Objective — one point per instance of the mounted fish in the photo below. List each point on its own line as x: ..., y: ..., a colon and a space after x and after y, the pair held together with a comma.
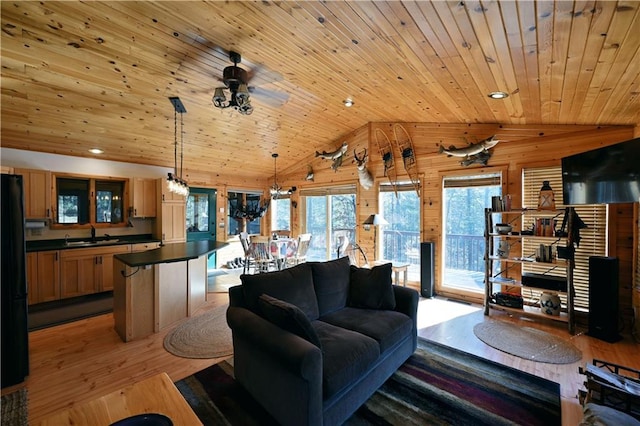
x: 386, y: 152
x: 336, y: 156
x: 480, y: 158
x: 364, y: 175
x: 309, y: 175
x: 405, y: 146
x: 473, y: 149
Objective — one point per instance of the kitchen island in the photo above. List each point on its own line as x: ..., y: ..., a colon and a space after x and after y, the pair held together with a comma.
x: 155, y: 288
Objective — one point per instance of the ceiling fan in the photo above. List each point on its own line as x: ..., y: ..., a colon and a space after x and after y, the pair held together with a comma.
x: 236, y: 82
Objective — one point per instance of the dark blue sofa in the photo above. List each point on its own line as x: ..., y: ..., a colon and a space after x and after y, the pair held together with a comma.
x: 313, y: 342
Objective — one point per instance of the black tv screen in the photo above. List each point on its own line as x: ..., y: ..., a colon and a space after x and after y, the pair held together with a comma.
x: 603, y: 176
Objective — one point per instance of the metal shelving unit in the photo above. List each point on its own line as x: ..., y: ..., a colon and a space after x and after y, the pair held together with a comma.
x: 508, y: 277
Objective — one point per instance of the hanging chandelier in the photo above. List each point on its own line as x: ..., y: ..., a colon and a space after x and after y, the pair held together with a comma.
x: 235, y: 82
x: 175, y: 182
x: 276, y: 190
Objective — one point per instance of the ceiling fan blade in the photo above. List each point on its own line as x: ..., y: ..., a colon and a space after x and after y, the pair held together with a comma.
x: 269, y: 97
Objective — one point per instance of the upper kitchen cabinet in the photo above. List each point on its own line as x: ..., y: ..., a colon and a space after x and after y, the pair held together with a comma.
x: 143, y: 199
x: 37, y: 193
x: 172, y: 215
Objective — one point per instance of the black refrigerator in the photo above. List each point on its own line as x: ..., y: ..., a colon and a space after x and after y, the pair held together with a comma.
x: 15, y: 337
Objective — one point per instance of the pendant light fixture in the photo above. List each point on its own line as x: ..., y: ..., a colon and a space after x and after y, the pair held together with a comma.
x: 175, y: 182
x: 276, y: 190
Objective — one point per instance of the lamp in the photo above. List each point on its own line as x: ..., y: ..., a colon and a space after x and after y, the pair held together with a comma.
x: 375, y: 220
x: 546, y: 199
x: 235, y: 81
x: 276, y: 190
x: 175, y: 182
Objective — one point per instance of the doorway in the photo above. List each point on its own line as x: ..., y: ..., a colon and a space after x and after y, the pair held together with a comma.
x: 201, y: 218
x: 465, y: 198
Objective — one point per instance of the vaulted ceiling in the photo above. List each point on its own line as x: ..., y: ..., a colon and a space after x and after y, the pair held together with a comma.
x: 99, y: 74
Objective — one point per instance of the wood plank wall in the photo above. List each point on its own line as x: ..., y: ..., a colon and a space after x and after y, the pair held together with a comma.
x: 520, y: 146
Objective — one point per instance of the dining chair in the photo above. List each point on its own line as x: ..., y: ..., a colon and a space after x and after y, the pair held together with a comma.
x: 300, y: 256
x: 249, y: 261
x: 260, y: 251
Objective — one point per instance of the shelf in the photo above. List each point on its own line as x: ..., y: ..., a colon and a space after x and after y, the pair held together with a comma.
x: 513, y: 283
x: 523, y: 256
x: 555, y: 263
x: 530, y: 311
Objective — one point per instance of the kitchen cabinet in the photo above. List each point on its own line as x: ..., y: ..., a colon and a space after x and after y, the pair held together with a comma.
x: 43, y: 276
x: 87, y: 271
x: 505, y: 265
x: 171, y: 224
x: 143, y: 199
x: 37, y: 193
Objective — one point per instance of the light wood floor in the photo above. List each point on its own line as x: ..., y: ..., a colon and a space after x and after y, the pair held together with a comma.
x: 86, y: 359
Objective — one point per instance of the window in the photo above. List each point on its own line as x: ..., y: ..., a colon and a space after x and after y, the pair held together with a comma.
x: 281, y: 214
x: 464, y: 199
x: 109, y: 202
x: 77, y: 204
x: 592, y: 238
x: 400, y: 239
x: 245, y: 210
x: 328, y: 213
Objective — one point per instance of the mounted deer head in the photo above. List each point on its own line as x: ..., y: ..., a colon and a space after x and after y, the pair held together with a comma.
x: 364, y: 175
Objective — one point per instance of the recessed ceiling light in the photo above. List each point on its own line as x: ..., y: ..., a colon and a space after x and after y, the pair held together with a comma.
x: 96, y: 151
x: 348, y: 102
x: 498, y: 95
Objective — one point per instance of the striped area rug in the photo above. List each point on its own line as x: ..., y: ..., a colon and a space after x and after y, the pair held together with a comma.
x: 438, y: 385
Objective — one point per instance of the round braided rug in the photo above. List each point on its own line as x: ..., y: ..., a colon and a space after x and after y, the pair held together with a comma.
x: 526, y: 342
x: 203, y: 336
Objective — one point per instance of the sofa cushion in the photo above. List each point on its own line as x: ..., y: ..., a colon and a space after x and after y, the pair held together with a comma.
x: 293, y: 285
x: 331, y: 283
x: 371, y: 288
x: 346, y: 356
x: 601, y: 415
x: 386, y: 327
x: 288, y: 317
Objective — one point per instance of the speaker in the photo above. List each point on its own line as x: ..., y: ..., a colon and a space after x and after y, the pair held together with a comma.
x: 603, y: 298
x: 427, y: 269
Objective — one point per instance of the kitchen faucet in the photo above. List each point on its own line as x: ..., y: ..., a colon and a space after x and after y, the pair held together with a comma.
x: 93, y: 233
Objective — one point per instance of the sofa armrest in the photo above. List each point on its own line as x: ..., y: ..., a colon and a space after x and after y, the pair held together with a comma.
x: 280, y: 369
x: 296, y: 354
x: 406, y: 301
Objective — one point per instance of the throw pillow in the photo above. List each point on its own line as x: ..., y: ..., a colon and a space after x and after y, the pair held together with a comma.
x: 331, y: 283
x: 293, y: 285
x: 371, y: 288
x: 288, y: 317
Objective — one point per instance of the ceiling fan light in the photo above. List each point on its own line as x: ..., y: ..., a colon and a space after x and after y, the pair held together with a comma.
x: 348, y: 102
x: 218, y: 97
x: 245, y: 109
x: 242, y: 95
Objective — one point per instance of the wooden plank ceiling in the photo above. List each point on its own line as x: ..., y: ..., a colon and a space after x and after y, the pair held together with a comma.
x: 99, y: 74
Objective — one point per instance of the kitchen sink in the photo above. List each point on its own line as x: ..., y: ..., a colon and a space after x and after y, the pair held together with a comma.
x: 90, y: 243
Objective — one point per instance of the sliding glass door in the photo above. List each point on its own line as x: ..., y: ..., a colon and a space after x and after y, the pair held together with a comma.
x: 463, y: 244
x: 328, y: 214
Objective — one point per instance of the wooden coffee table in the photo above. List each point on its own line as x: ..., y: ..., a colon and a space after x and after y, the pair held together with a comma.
x: 156, y: 394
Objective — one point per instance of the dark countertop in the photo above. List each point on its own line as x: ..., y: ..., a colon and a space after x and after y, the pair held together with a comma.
x: 169, y: 253
x: 59, y: 244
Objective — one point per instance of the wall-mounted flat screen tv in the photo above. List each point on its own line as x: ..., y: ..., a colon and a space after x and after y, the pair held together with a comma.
x: 603, y: 176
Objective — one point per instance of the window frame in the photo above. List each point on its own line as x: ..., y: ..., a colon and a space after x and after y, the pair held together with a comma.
x: 92, y: 201
x: 244, y: 227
